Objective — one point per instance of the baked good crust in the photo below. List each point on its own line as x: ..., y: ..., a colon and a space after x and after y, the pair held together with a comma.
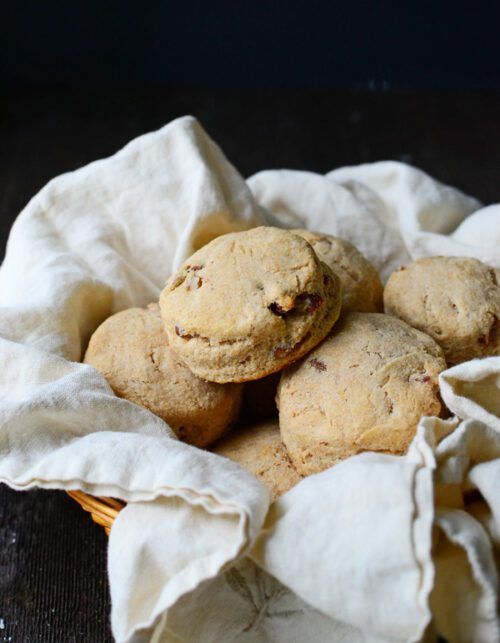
x: 259, y: 449
x: 361, y: 286
x: 248, y: 304
x: 455, y: 300
x: 131, y: 350
x: 364, y: 388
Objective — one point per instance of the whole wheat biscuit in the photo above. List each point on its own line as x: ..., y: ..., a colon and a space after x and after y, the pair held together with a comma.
x: 361, y: 285
x: 249, y: 303
x: 260, y: 450
x: 364, y: 388
x: 455, y: 300
x: 131, y: 350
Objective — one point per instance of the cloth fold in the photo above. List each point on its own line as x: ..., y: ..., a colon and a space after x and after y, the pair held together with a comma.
x: 465, y: 598
x: 368, y: 497
x: 361, y: 552
x: 472, y: 390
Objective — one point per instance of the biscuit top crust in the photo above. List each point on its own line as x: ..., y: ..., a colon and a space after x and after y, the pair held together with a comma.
x: 361, y: 285
x: 456, y: 300
x: 131, y: 350
x: 244, y: 284
x: 365, y: 387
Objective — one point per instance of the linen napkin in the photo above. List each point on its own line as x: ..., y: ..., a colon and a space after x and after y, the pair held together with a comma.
x: 363, y: 551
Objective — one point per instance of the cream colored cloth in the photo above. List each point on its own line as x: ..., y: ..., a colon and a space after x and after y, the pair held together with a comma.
x: 357, y: 553
x: 392, y: 212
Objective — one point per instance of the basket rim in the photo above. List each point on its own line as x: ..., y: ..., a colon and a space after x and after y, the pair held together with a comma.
x: 103, y: 510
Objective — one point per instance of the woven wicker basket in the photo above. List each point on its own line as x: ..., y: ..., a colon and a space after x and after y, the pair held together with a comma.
x: 102, y: 510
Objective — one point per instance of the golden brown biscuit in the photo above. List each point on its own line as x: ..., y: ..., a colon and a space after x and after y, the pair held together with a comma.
x: 249, y: 303
x: 361, y: 285
x: 455, y: 300
x: 364, y: 388
x: 131, y: 350
x: 260, y: 450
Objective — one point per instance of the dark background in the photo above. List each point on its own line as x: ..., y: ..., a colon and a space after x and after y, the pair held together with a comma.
x: 278, y: 84
x: 353, y: 44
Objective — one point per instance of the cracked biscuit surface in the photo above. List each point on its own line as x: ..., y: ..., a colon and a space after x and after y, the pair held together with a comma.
x: 455, y: 300
x: 260, y: 450
x: 131, y: 350
x: 364, y: 388
x: 249, y: 303
x: 361, y: 285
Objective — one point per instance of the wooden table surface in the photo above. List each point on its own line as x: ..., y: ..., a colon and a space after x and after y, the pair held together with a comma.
x: 53, y: 585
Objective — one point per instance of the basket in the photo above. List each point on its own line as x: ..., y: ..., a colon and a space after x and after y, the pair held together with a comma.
x: 103, y: 511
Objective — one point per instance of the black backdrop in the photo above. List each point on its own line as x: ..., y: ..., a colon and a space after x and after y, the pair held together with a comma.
x: 239, y: 43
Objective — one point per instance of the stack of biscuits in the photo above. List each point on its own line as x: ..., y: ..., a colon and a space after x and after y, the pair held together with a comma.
x: 272, y: 322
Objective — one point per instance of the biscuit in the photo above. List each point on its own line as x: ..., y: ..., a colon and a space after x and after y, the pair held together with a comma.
x: 455, y: 300
x: 131, y: 350
x: 260, y: 450
x: 361, y: 285
x: 364, y: 388
x: 249, y: 303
